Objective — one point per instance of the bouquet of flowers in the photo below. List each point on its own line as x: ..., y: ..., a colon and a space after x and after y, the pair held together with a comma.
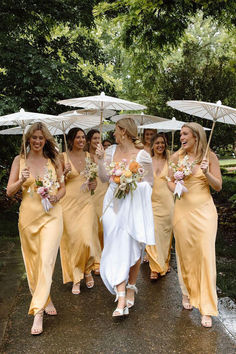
x: 125, y: 176
x: 90, y: 173
x: 45, y: 186
x: 181, y: 170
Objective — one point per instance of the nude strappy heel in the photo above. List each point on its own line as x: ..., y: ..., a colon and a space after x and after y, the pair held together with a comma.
x: 37, y: 329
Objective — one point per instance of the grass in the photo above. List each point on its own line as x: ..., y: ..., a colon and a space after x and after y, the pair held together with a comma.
x: 228, y: 162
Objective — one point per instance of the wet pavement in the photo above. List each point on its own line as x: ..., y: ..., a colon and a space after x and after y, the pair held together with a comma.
x: 156, y: 324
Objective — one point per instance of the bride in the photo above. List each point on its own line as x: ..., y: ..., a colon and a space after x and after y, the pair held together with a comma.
x: 127, y: 222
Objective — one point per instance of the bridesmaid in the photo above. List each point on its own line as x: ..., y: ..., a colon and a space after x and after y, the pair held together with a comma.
x: 128, y: 222
x: 195, y: 224
x: 162, y: 206
x: 93, y: 139
x: 79, y: 242
x: 40, y: 231
x: 147, y: 137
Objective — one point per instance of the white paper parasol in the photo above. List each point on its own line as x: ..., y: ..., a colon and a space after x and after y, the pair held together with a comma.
x: 212, y: 111
x: 102, y: 102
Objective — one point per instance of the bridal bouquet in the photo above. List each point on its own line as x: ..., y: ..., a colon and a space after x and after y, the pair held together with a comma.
x: 45, y: 186
x: 125, y: 176
x: 90, y: 173
x: 181, y: 170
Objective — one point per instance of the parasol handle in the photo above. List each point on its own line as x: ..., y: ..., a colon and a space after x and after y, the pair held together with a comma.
x: 209, y: 140
x: 24, y: 144
x: 101, y: 118
x: 172, y: 142
x: 65, y: 142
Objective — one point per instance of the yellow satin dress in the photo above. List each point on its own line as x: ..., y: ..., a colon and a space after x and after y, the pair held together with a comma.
x: 97, y: 199
x: 163, y: 207
x: 79, y: 243
x: 195, y: 227
x: 40, y: 235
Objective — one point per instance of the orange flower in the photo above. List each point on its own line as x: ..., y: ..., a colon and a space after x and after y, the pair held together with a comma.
x: 134, y: 166
x: 116, y: 179
x: 128, y: 173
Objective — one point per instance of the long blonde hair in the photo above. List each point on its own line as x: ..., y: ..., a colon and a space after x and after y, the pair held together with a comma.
x: 131, y: 131
x: 201, y: 140
x: 50, y: 149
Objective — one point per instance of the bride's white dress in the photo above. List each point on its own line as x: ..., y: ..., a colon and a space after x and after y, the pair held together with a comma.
x: 127, y: 223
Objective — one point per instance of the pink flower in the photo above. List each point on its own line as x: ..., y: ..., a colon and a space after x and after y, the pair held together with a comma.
x: 42, y: 191
x: 179, y: 175
x: 118, y: 172
x: 141, y: 171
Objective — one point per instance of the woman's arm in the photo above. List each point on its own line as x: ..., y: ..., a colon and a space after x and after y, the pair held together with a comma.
x: 212, y: 171
x: 14, y: 182
x: 101, y: 161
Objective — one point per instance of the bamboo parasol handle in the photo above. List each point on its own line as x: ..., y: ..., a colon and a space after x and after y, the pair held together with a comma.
x: 209, y: 140
x: 65, y: 141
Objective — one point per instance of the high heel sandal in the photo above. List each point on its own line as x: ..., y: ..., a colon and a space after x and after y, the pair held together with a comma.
x: 186, y: 303
x: 37, y: 327
x: 90, y: 283
x: 206, y: 321
x: 121, y: 312
x: 50, y: 309
x: 154, y: 276
x: 76, y: 289
x: 130, y: 303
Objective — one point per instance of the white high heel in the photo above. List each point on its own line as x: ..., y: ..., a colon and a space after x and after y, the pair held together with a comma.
x: 121, y: 312
x: 130, y: 303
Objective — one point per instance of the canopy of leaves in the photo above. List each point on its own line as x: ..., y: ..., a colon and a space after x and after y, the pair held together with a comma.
x: 158, y: 23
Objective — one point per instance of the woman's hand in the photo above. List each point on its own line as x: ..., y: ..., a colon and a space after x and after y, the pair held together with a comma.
x: 53, y: 199
x: 92, y: 184
x: 204, y: 166
x: 67, y: 169
x: 24, y: 174
x: 100, y: 151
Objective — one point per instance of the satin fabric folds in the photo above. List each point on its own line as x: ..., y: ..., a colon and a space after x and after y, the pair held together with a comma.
x: 195, y: 227
x: 163, y: 207
x: 128, y: 227
x: 40, y: 235
x: 80, y: 243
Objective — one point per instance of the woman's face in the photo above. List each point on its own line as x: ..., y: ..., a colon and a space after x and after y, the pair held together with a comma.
x: 187, y: 139
x: 79, y: 141
x: 118, y: 133
x: 37, y: 141
x: 106, y: 144
x: 95, y: 140
x: 159, y: 146
x: 148, y: 134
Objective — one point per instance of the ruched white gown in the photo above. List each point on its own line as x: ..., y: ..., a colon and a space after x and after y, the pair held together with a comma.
x: 127, y: 223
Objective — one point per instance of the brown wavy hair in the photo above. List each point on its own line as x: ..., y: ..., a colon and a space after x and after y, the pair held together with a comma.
x: 129, y: 125
x: 71, y: 136
x: 50, y: 149
x: 166, y: 152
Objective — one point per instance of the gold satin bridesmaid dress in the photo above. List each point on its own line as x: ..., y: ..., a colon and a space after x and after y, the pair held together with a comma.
x: 163, y: 207
x: 195, y: 227
x: 79, y: 243
x: 40, y: 235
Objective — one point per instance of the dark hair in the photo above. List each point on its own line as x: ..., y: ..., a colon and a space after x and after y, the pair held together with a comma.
x: 91, y: 133
x: 71, y: 136
x: 50, y: 149
x: 154, y: 138
x: 106, y: 140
